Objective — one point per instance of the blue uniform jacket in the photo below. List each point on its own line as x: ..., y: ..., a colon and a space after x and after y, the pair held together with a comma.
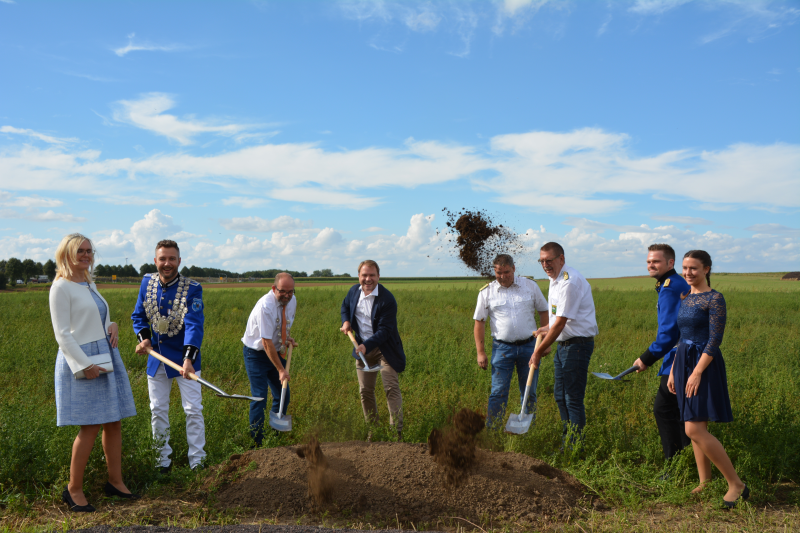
x: 384, y: 326
x: 187, y: 341
x: 669, y: 288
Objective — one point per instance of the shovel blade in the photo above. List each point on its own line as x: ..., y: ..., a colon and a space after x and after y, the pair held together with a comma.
x: 603, y: 375
x: 240, y: 397
x: 376, y: 368
x: 519, y: 424
x: 283, y: 423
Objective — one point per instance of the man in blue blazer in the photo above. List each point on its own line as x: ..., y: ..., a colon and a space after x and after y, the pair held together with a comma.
x: 370, y: 311
x: 669, y: 286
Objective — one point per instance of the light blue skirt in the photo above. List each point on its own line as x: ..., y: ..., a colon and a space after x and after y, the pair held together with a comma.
x: 84, y: 402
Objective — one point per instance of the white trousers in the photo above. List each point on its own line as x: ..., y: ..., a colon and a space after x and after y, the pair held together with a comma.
x: 192, y: 401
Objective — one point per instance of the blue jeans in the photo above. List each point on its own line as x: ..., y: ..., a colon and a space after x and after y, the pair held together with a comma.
x: 263, y: 377
x: 506, y: 357
x: 571, y: 368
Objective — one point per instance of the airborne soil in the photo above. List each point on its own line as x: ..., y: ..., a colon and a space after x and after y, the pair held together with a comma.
x: 400, y: 481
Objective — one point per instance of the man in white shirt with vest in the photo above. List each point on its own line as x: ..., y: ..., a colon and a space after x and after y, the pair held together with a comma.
x: 572, y: 323
x: 266, y: 340
x: 511, y: 303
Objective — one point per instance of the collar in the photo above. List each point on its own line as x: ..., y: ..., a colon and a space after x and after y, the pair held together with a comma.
x: 663, y: 278
x: 373, y: 293
x: 512, y: 283
x: 169, y: 284
x: 558, y: 276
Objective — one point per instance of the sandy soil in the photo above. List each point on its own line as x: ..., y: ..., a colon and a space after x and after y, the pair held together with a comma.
x: 396, y: 480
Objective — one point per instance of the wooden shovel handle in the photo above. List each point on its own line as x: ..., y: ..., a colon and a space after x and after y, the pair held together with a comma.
x: 288, y: 363
x: 531, y: 369
x: 166, y: 361
x: 353, y: 339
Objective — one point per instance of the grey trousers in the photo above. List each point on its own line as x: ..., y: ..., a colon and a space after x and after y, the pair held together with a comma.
x: 391, y: 385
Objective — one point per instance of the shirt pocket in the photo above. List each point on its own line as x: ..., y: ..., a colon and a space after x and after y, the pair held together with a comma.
x: 499, y: 306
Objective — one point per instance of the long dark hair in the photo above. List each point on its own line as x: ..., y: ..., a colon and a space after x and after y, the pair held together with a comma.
x: 704, y: 258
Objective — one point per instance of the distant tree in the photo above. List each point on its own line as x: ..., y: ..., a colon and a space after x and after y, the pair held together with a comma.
x: 184, y: 272
x: 50, y: 269
x: 39, y: 268
x: 2, y: 266
x: 13, y: 270
x: 2, y: 281
x: 148, y: 268
x: 129, y: 271
x: 101, y: 270
x: 196, y: 272
x: 28, y: 269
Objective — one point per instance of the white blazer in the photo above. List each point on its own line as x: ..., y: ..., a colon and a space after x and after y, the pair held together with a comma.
x: 76, y: 320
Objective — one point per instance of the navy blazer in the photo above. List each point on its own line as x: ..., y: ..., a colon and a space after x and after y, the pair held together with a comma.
x: 384, y: 325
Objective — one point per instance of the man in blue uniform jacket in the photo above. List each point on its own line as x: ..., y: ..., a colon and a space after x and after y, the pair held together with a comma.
x: 168, y: 318
x: 669, y: 286
x: 370, y: 311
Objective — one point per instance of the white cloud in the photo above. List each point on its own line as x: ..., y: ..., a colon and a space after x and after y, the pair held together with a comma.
x: 36, y: 135
x: 372, y: 229
x: 155, y: 226
x: 146, y: 47
x: 148, y: 113
x: 683, y: 220
x: 258, y: 224
x: 28, y: 247
x: 36, y: 216
x: 655, y: 7
x: 8, y: 199
x: 774, y: 229
x: 246, y: 202
x: 325, y: 197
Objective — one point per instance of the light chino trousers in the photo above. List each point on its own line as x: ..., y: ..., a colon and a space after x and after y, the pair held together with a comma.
x: 192, y: 400
x: 391, y: 385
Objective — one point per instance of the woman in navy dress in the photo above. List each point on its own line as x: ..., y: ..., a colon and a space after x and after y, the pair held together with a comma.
x: 698, y: 374
x: 83, y: 328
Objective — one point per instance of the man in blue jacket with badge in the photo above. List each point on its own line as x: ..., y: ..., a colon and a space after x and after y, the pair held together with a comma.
x: 168, y: 318
x: 669, y: 286
x: 370, y: 311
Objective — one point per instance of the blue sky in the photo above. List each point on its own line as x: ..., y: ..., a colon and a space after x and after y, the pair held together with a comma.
x: 309, y: 135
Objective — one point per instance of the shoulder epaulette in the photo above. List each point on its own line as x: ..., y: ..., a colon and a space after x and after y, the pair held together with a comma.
x: 479, y: 290
x: 566, y: 276
x: 193, y: 282
x: 666, y: 283
x: 529, y: 277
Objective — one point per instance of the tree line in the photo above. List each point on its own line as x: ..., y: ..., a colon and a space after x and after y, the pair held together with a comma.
x: 13, y: 269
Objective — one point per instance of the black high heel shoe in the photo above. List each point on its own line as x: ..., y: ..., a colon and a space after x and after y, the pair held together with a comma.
x: 75, y: 508
x: 743, y: 496
x: 111, y: 490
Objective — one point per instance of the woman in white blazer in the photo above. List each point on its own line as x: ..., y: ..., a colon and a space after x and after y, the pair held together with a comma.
x: 87, y: 394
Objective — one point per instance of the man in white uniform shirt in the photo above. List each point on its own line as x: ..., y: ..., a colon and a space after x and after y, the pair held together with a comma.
x: 265, y: 340
x: 572, y: 323
x: 511, y: 303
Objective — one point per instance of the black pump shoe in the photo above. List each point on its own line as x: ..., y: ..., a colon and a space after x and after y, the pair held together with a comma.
x: 111, y: 490
x: 75, y: 508
x: 743, y: 496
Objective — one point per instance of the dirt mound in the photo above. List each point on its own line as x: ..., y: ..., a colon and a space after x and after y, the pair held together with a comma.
x: 320, y: 483
x: 479, y: 239
x: 393, y: 480
x: 791, y: 276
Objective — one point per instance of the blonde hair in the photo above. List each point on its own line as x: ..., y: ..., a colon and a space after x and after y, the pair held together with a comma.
x: 67, y: 255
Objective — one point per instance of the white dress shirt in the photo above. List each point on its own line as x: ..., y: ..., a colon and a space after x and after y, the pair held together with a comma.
x: 512, y: 309
x: 364, y: 313
x: 570, y: 296
x: 265, y: 321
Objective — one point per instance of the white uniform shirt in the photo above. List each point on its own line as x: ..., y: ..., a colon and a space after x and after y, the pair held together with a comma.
x: 364, y: 312
x: 512, y: 309
x: 570, y: 296
x: 265, y: 322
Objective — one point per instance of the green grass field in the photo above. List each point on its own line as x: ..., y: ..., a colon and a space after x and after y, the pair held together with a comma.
x: 623, y: 461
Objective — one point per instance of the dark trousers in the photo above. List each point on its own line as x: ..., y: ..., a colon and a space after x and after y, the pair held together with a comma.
x: 570, y: 369
x: 263, y: 377
x: 668, y: 420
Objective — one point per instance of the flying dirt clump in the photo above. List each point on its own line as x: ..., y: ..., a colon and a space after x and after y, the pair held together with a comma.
x: 479, y: 239
x: 454, y: 448
x: 320, y: 482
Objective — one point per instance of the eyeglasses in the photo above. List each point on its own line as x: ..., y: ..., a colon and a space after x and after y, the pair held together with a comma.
x: 547, y: 261
x: 82, y: 251
x: 285, y: 293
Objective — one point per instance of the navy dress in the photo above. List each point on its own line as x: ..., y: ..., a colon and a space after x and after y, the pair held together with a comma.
x: 701, y: 320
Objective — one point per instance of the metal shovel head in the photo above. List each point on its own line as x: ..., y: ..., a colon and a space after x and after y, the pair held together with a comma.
x: 603, y: 375
x: 519, y: 424
x: 240, y: 397
x: 280, y: 423
x: 373, y: 369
